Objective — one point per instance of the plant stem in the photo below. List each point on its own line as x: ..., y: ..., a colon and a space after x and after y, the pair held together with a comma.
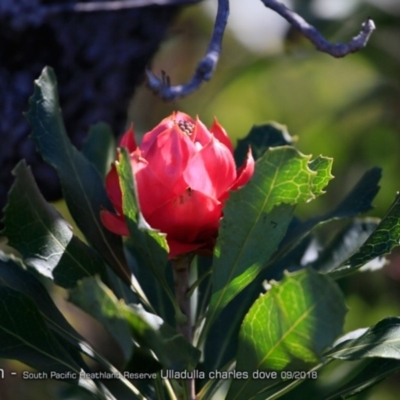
x: 180, y: 268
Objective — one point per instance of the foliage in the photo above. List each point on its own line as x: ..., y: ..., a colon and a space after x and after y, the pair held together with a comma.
x: 285, y: 323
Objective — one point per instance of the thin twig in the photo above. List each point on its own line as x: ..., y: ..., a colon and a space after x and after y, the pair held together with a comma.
x: 205, y: 67
x: 334, y: 49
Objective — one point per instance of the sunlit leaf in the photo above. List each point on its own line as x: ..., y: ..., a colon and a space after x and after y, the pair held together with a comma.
x: 256, y: 218
x: 322, y: 166
x: 150, y: 244
x: 288, y: 328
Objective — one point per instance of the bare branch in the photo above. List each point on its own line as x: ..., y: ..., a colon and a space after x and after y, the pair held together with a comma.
x: 337, y: 49
x: 205, y: 67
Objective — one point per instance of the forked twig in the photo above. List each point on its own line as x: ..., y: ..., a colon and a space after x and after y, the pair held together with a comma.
x: 207, y: 64
x: 311, y: 33
x: 205, y: 67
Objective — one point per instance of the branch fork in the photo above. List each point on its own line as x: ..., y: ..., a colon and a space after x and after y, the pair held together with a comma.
x: 206, y: 66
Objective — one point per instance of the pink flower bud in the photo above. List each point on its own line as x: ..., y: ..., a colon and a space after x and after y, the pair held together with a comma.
x: 184, y: 173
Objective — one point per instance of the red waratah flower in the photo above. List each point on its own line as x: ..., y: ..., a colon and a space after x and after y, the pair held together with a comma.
x: 183, y: 173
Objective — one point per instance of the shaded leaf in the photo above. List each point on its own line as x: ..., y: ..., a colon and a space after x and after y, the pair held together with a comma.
x: 276, y: 391
x: 170, y: 347
x: 150, y: 284
x: 25, y: 337
x: 43, y: 238
x: 260, y: 139
x: 350, y: 335
x: 344, y: 244
x: 380, y: 242
x: 370, y: 374
x: 99, y: 147
x: 98, y: 301
x: 287, y: 329
x: 81, y: 183
x: 148, y: 330
x: 21, y: 280
x: 18, y: 279
x: 381, y: 340
x: 256, y: 218
x: 73, y: 393
x: 293, y: 259
x: 358, y: 201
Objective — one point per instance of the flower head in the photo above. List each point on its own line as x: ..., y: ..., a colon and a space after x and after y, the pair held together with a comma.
x: 184, y: 173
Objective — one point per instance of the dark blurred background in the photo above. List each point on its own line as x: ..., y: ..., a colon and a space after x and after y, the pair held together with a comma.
x: 348, y: 109
x: 99, y: 58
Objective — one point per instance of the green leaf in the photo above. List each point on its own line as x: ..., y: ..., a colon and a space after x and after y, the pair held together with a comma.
x: 381, y: 242
x: 370, y: 374
x: 322, y: 166
x: 359, y: 200
x: 73, y: 393
x: 171, y: 348
x: 43, y: 238
x: 155, y: 292
x: 24, y: 336
x: 256, y: 218
x: 15, y: 277
x: 147, y: 329
x: 81, y: 183
x: 21, y: 280
x: 99, y: 147
x: 222, y: 338
x: 344, y: 244
x: 260, y: 139
x: 381, y: 340
x: 150, y: 244
x: 356, y: 202
x: 100, y: 302
x: 287, y: 329
x: 278, y: 390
